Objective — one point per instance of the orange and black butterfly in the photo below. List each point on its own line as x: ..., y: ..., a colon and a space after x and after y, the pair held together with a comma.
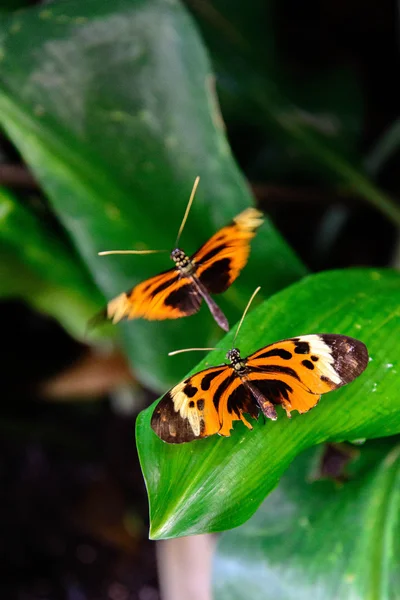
x: 179, y: 291
x: 292, y: 373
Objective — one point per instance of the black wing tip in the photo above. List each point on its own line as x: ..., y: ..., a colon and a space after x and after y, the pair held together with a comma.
x: 350, y: 355
x: 168, y: 425
x: 163, y: 432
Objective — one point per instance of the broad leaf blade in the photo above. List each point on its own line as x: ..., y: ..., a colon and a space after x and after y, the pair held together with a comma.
x: 318, y: 539
x: 217, y: 483
x: 112, y: 106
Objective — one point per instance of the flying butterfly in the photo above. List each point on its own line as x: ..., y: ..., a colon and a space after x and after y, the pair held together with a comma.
x: 292, y: 373
x: 179, y: 291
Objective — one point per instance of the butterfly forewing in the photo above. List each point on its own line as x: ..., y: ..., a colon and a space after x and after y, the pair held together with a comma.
x: 295, y: 372
x: 220, y: 260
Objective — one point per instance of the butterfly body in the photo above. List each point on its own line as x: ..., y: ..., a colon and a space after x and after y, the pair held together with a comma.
x: 178, y: 292
x: 182, y: 262
x: 240, y: 367
x: 236, y: 361
x: 292, y: 373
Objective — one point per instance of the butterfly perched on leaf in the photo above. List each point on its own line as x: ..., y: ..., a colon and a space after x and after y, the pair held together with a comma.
x: 292, y: 373
x: 180, y: 291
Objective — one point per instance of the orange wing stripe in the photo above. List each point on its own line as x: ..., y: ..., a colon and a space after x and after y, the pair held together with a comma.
x: 285, y: 390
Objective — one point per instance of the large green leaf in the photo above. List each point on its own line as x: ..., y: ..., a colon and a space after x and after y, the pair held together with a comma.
x: 112, y: 106
x: 217, y: 483
x: 318, y: 539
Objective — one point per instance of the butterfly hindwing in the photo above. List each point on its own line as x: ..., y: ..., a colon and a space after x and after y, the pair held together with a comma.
x: 295, y: 372
x: 165, y: 296
x: 203, y: 404
x: 220, y: 260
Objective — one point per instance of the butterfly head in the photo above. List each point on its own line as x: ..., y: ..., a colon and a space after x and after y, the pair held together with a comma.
x: 182, y: 261
x: 236, y: 360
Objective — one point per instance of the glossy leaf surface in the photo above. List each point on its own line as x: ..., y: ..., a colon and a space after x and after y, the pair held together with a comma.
x: 319, y: 539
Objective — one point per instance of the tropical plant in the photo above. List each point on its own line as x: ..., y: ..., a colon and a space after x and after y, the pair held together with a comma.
x: 114, y: 109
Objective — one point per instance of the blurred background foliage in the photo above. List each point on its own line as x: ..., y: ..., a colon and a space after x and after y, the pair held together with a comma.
x: 108, y: 112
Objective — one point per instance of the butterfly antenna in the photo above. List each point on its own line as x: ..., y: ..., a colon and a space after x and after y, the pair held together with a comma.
x: 188, y: 350
x: 189, y: 205
x: 245, y: 312
x: 107, y: 252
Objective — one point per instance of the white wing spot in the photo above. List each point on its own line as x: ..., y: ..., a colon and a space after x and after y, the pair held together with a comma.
x: 181, y: 404
x: 180, y: 399
x: 326, y: 360
x: 194, y: 420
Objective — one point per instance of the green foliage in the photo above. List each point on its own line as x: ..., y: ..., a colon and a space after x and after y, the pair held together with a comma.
x: 118, y: 161
x: 299, y: 545
x: 217, y: 483
x: 37, y: 266
x: 112, y: 106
